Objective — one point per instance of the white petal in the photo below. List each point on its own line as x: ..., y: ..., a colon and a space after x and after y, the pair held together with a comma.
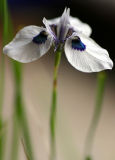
x: 64, y: 19
x: 23, y: 49
x: 92, y: 59
x: 54, y: 21
x: 80, y: 26
x: 63, y: 25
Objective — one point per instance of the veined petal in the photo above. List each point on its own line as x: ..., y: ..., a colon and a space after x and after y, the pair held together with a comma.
x: 29, y: 44
x: 86, y: 55
x: 80, y: 27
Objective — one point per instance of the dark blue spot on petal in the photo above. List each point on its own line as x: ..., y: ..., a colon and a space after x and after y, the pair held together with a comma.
x: 40, y: 38
x: 78, y: 44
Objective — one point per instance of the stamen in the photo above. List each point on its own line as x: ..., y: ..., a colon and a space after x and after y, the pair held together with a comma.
x: 70, y: 32
x: 78, y: 44
x: 54, y: 29
x: 40, y: 38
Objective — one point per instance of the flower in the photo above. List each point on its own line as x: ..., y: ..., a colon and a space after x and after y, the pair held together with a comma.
x: 82, y: 52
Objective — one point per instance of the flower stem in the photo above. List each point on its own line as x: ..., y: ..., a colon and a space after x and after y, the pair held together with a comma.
x: 20, y: 112
x: 4, y: 18
x: 15, y: 139
x: 54, y: 105
x: 97, y: 112
x: 2, y: 134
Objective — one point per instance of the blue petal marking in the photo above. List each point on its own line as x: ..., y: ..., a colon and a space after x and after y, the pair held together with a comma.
x: 40, y: 38
x: 78, y: 44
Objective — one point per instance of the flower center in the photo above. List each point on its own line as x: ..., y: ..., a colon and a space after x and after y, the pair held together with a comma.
x: 78, y: 44
x: 61, y: 38
x: 40, y: 38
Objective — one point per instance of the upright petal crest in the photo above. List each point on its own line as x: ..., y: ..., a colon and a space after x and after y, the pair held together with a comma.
x: 64, y: 19
x: 63, y: 25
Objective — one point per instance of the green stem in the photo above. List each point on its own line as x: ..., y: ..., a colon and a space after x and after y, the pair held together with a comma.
x: 54, y: 105
x: 2, y: 139
x: 19, y: 112
x: 5, y: 22
x: 4, y: 17
x: 5, y: 35
x: 97, y: 112
x: 1, y: 84
x: 16, y: 125
x: 25, y: 151
x: 15, y: 139
x: 19, y: 109
x: 25, y: 131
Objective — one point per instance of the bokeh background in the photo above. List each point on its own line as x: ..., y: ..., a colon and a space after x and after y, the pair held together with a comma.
x: 76, y: 90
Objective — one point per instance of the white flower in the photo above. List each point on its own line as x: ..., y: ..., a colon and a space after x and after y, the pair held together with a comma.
x: 82, y: 52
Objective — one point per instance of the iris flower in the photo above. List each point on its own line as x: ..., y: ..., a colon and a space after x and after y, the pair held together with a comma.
x: 65, y: 32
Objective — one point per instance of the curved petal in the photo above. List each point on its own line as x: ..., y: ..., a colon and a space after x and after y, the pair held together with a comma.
x: 54, y: 21
x: 23, y: 49
x: 86, y: 55
x: 80, y: 27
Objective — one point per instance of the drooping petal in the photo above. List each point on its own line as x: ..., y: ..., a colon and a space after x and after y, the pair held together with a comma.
x: 80, y: 27
x: 86, y: 55
x: 29, y: 44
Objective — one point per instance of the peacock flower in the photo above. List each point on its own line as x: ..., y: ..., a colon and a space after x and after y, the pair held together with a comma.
x: 65, y: 32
